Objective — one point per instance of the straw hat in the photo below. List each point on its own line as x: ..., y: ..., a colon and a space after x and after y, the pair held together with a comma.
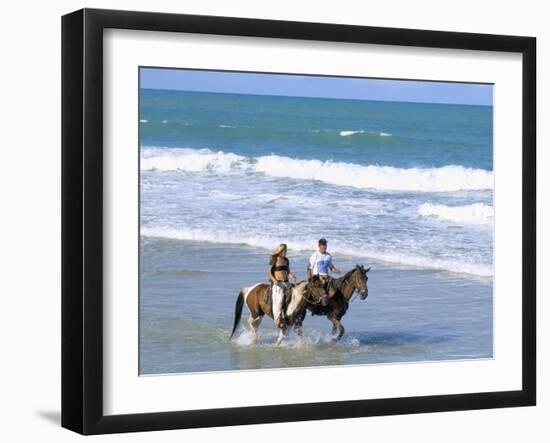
x: 278, y: 249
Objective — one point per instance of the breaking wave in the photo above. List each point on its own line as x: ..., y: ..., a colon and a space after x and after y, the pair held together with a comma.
x: 362, y: 131
x: 348, y: 133
x: 477, y: 213
x: 448, y: 178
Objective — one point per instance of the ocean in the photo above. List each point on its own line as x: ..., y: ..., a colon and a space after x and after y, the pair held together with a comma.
x: 405, y: 188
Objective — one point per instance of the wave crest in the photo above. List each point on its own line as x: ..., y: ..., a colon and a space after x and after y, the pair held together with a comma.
x: 385, y: 178
x: 477, y: 213
x: 348, y: 133
x: 362, y: 131
x: 448, y: 178
x: 191, y: 160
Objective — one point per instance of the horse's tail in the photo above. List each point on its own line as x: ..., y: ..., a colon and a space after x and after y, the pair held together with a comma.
x: 238, y: 312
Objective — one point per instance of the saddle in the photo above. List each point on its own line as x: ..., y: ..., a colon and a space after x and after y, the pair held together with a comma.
x: 333, y: 286
x: 268, y: 294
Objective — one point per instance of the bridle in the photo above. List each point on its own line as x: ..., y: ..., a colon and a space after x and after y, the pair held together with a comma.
x: 356, y: 283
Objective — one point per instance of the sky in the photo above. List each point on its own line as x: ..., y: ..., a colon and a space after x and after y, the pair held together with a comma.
x: 316, y: 86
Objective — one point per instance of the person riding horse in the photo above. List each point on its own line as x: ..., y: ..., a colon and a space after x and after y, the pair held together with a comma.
x: 320, y: 263
x: 279, y: 274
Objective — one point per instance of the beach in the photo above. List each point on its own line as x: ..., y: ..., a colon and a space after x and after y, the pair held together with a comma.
x: 405, y: 188
x: 187, y: 308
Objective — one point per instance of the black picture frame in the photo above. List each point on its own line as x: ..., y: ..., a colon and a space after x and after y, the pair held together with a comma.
x: 82, y: 218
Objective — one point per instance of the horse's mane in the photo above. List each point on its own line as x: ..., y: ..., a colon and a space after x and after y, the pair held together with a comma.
x: 337, y: 283
x: 346, y: 275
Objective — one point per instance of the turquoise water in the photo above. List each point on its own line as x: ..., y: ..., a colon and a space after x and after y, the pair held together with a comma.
x: 406, y: 188
x: 393, y: 134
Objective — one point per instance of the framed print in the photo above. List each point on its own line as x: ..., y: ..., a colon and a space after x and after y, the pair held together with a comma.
x: 269, y: 221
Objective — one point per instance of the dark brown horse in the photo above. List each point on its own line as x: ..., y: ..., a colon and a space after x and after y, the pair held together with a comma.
x: 301, y: 294
x: 340, y: 291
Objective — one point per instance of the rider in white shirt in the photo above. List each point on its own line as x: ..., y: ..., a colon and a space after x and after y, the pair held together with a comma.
x: 320, y: 263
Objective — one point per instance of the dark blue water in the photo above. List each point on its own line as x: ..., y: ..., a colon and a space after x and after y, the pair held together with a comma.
x: 385, y: 133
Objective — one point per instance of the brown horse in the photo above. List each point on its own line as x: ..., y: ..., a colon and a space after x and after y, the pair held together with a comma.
x: 340, y: 291
x: 302, y: 294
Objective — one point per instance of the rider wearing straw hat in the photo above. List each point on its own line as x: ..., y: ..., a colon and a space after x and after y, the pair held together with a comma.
x: 279, y: 273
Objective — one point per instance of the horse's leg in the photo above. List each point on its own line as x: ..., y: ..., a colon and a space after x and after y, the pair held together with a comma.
x: 281, y: 336
x: 299, y: 334
x: 342, y: 330
x: 298, y: 324
x: 339, y: 316
x: 256, y: 313
x: 252, y: 328
x: 332, y: 318
x: 254, y: 323
x: 336, y: 327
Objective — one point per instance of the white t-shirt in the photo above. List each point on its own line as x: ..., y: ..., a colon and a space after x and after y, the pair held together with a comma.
x: 320, y: 264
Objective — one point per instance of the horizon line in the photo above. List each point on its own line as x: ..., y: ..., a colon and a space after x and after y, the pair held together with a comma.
x: 315, y: 97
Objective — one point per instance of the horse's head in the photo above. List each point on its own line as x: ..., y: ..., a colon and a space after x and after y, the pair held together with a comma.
x: 361, y: 278
x: 318, y: 290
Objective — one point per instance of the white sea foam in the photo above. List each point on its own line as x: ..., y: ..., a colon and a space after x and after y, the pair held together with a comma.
x: 387, y: 178
x: 477, y: 213
x: 348, y: 133
x: 191, y: 160
x: 143, y: 120
x: 219, y: 236
x: 310, y: 338
x: 462, y: 265
x: 361, y: 131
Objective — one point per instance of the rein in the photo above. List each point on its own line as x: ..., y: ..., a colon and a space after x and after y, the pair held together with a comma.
x: 312, y: 301
x: 356, y: 283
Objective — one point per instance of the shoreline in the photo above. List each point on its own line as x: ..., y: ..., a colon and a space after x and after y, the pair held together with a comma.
x: 301, y: 253
x: 187, y: 298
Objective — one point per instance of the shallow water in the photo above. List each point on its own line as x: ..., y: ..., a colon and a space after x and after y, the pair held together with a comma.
x: 411, y: 314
